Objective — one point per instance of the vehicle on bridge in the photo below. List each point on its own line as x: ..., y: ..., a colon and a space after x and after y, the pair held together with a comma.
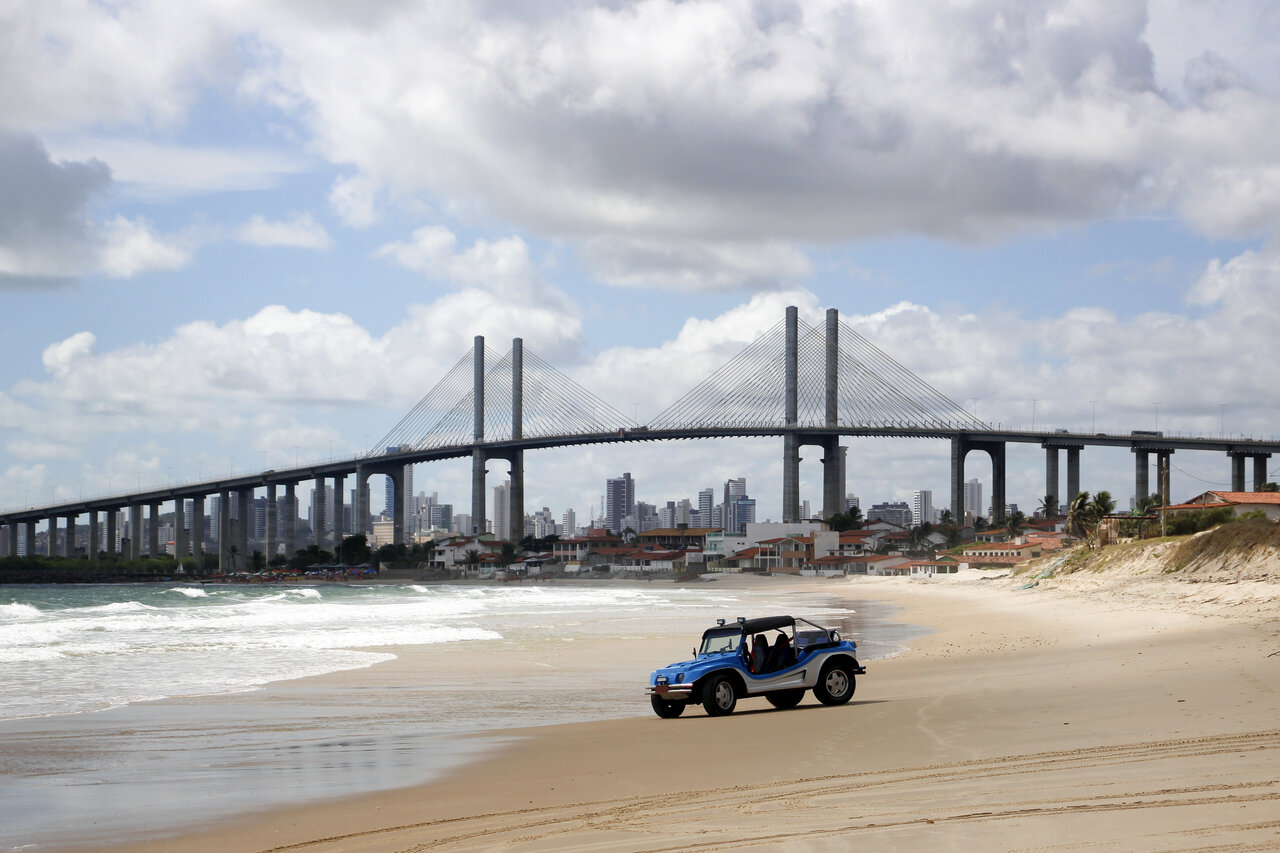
x: 740, y: 660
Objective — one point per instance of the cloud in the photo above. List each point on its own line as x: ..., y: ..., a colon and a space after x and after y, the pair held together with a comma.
x: 696, y: 265
x: 695, y: 145
x: 299, y: 232
x: 44, y: 229
x: 159, y: 171
x: 809, y: 122
x: 130, y: 247
x: 501, y: 267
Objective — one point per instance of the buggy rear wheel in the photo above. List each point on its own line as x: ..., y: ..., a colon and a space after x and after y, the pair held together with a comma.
x: 835, y: 685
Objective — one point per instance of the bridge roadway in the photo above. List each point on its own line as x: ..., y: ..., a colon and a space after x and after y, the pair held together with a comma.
x: 235, y: 531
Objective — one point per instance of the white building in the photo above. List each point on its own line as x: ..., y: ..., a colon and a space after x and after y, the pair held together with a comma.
x: 972, y: 499
x: 921, y: 507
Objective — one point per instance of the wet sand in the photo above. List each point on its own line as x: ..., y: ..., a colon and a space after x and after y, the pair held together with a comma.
x: 1058, y: 718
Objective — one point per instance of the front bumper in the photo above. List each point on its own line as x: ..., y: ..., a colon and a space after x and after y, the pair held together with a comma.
x: 671, y: 692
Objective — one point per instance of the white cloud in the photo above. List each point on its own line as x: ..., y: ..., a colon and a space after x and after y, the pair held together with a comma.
x: 130, y: 247
x: 58, y: 358
x: 354, y: 198
x: 299, y: 232
x: 668, y: 136
x: 162, y: 171
x: 675, y: 264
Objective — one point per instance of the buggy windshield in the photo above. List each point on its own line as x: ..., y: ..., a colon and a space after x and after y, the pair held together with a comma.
x: 722, y: 641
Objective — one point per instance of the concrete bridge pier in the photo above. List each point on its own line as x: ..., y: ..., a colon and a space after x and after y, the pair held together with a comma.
x: 51, y: 545
x: 396, y: 474
x: 270, y: 532
x: 791, y: 477
x: 1051, y: 475
x: 153, y: 532
x: 197, y: 531
x: 1237, y: 470
x: 91, y: 546
x: 244, y: 516
x: 135, y: 532
x: 360, y: 512
x: 31, y: 538
x: 290, y: 519
x: 832, y: 476
x: 960, y: 447
x: 69, y: 541
x: 11, y: 540
x: 515, y: 511
x: 478, y: 472
x: 1141, y: 474
x: 340, y: 510
x: 224, y: 531
x: 1073, y: 473
x: 318, y: 514
x: 113, y: 529
x: 181, y: 542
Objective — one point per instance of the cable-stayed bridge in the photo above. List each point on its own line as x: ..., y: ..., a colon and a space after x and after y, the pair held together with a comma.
x: 808, y: 385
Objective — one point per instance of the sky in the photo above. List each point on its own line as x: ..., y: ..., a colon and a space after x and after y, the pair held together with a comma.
x: 242, y: 234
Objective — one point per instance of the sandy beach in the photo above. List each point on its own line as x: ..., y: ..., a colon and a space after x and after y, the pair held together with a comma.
x: 1073, y: 715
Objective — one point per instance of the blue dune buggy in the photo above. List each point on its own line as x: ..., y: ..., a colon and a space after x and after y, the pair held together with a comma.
x: 744, y: 658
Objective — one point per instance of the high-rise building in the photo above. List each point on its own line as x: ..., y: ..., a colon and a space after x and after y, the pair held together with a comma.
x: 921, y: 507
x: 972, y: 499
x: 806, y: 510
x: 896, y: 512
x: 501, y: 508
x: 706, y: 502
x: 441, y: 517
x: 734, y: 489
x: 684, y: 513
x: 740, y: 513
x: 569, y: 523
x: 620, y: 501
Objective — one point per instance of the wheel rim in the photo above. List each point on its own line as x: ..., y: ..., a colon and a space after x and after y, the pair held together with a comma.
x: 837, y: 682
x: 724, y: 695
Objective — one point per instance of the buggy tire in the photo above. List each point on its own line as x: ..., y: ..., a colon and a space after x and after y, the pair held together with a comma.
x: 719, y: 696
x: 835, y: 684
x: 666, y: 709
x: 784, y: 699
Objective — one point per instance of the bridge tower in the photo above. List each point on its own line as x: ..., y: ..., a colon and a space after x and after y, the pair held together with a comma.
x: 794, y: 438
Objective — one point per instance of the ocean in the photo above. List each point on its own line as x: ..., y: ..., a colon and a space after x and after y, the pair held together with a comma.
x: 132, y: 709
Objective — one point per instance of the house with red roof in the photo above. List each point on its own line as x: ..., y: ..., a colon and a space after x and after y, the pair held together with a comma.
x: 1240, y: 503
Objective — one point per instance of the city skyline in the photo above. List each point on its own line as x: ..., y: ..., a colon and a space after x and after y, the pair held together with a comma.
x: 225, y: 258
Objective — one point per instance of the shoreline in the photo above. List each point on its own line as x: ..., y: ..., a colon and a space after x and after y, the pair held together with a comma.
x: 1027, y: 719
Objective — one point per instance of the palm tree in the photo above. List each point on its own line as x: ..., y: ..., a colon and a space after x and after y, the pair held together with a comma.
x: 1078, y: 515
x: 1015, y: 523
x: 473, y: 558
x: 1049, y: 506
x: 508, y: 553
x: 1144, y: 507
x: 1103, y: 505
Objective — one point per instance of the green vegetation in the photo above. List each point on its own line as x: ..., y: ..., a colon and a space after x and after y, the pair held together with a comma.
x: 1240, y: 536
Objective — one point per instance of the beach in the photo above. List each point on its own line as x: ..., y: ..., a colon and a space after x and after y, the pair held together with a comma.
x: 1069, y: 716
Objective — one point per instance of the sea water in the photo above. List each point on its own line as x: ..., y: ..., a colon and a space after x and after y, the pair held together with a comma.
x: 111, y: 723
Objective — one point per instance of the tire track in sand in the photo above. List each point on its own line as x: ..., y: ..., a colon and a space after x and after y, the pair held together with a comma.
x: 824, y: 807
